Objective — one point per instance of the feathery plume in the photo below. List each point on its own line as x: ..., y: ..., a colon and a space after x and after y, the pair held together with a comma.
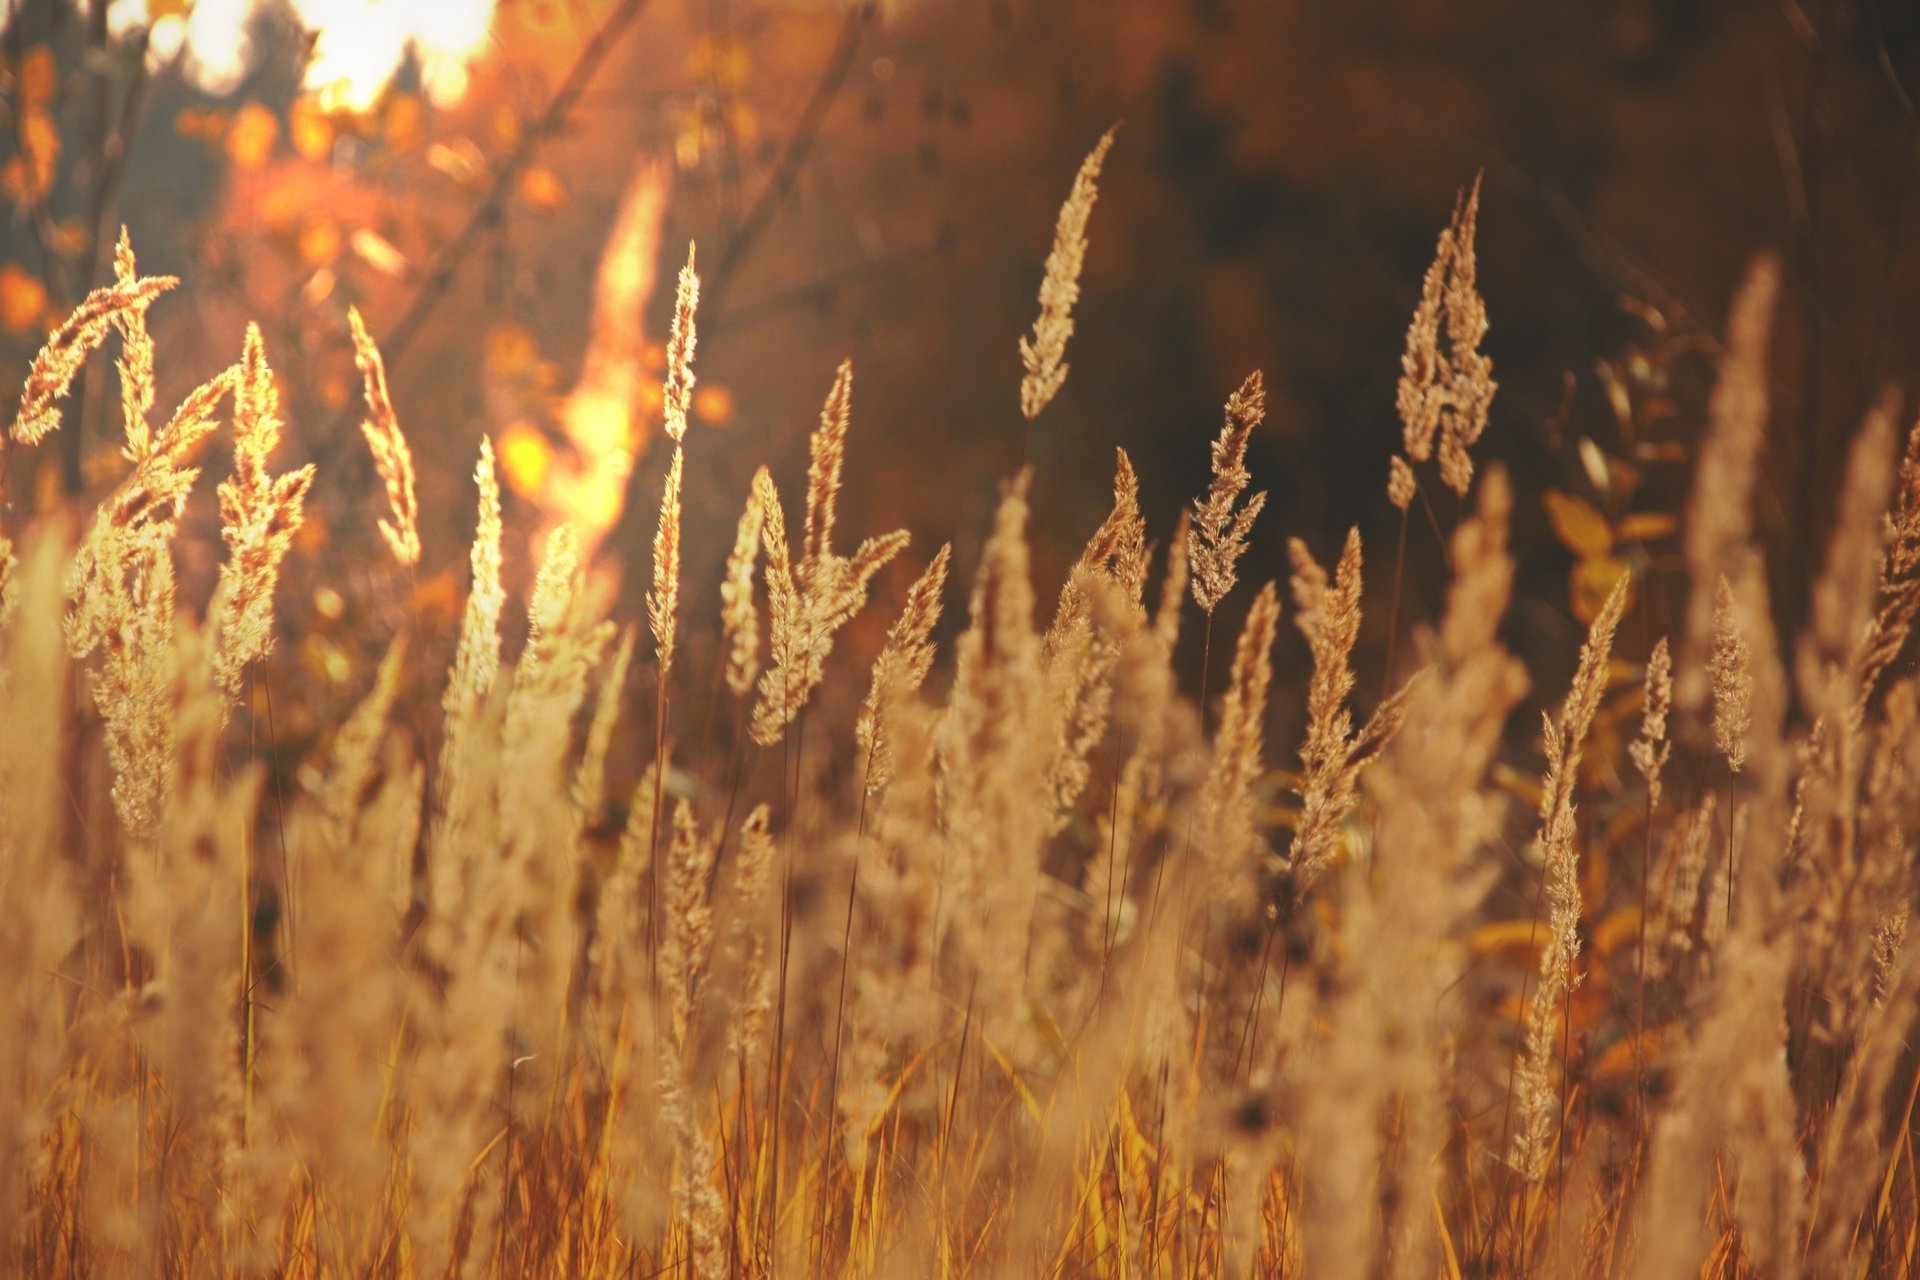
x: 1394, y: 998
x: 663, y: 600
x: 755, y: 876
x: 1731, y: 668
x: 476, y: 661
x: 1401, y: 486
x: 1333, y: 755
x: 1718, y: 530
x: 677, y: 394
x: 1555, y: 844
x: 590, y: 780
x: 689, y: 920
x: 1044, y: 355
x: 826, y: 458
x: 53, y: 370
x: 136, y: 354
x: 1218, y: 537
x: 1445, y: 394
x: 902, y: 665
x: 392, y: 459
x: 1652, y: 748
x: 259, y: 514
x: 1899, y: 597
x: 1227, y: 796
x: 810, y: 601
x: 739, y: 616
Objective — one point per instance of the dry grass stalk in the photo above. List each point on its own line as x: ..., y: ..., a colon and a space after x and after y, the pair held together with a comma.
x: 753, y: 878
x: 1148, y: 689
x: 1444, y: 395
x: 1218, y: 537
x: 663, y: 601
x: 1556, y: 845
x: 1899, y: 598
x: 67, y: 348
x: 683, y: 958
x: 1230, y: 845
x: 677, y: 394
x: 994, y: 744
x: 121, y: 593
x: 811, y: 600
x: 35, y: 876
x: 1652, y: 749
x: 1044, y: 355
x: 901, y: 668
x: 1717, y: 538
x: 1333, y: 755
x: 1082, y: 646
x: 1676, y: 899
x: 590, y: 779
x: 1393, y: 998
x: 469, y: 752
x: 259, y: 514
x: 1731, y: 666
x: 739, y: 615
x: 392, y: 459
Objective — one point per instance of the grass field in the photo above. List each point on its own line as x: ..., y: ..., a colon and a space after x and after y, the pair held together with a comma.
x: 602, y: 952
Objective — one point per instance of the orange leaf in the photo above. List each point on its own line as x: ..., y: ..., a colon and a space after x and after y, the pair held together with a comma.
x: 1615, y: 930
x: 23, y: 299
x: 1581, y: 529
x: 1647, y: 526
x: 1525, y: 936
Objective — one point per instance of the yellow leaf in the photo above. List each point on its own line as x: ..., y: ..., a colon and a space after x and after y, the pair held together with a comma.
x: 1581, y: 529
x: 1507, y: 935
x: 23, y: 299
x: 1591, y: 582
x: 1616, y: 930
x: 251, y: 136
x: 1647, y: 526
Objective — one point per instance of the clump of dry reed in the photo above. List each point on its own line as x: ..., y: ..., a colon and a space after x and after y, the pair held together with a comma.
x: 1029, y: 965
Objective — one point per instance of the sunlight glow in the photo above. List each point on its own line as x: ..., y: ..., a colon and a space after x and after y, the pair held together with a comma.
x: 358, y: 45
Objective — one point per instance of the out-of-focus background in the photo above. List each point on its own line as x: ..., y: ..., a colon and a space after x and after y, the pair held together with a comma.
x: 506, y: 187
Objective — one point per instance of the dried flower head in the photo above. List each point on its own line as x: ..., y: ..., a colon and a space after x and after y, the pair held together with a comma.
x: 677, y: 395
x: 1044, y: 355
x: 1218, y: 537
x: 903, y: 664
x: 1731, y: 668
x: 809, y: 601
x: 392, y: 459
x: 1445, y: 394
x: 739, y: 616
x: 259, y: 514
x: 67, y: 348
